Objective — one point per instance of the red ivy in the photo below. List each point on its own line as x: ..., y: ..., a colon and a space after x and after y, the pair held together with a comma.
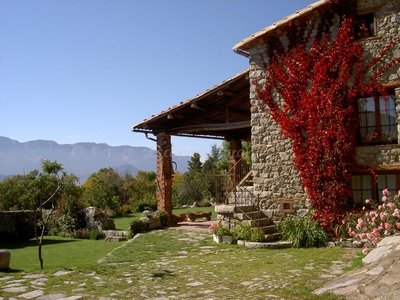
x: 319, y: 77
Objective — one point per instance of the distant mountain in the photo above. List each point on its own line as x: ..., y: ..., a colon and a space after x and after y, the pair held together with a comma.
x: 81, y: 159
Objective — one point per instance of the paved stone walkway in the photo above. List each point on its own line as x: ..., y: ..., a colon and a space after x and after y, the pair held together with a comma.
x: 379, y: 278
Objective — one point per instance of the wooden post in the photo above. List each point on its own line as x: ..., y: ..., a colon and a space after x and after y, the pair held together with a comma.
x: 234, y: 159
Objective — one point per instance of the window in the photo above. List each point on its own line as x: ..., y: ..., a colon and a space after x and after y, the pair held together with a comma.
x: 364, y: 187
x: 378, y: 120
x: 365, y: 26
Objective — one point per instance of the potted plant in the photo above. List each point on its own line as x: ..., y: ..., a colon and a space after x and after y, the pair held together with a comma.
x: 227, y: 236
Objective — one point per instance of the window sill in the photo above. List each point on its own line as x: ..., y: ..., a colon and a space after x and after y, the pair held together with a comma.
x: 378, y: 141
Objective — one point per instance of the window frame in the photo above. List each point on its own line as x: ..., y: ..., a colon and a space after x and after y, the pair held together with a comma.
x: 363, y: 25
x: 378, y: 137
x: 376, y: 192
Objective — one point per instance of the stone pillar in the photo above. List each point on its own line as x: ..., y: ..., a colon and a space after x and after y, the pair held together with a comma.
x: 234, y: 160
x: 164, y: 173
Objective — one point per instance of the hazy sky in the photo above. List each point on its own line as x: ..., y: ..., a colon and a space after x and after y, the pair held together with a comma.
x: 86, y: 71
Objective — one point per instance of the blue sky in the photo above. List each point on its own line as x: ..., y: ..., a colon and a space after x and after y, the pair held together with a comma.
x: 87, y: 70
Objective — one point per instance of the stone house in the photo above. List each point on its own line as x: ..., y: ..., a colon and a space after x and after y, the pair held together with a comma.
x: 275, y: 178
x: 226, y: 112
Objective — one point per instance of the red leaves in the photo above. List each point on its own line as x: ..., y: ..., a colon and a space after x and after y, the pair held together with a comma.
x: 318, y: 85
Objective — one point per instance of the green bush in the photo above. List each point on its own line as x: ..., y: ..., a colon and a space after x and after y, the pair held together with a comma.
x: 96, y: 235
x: 244, y: 231
x: 86, y: 234
x: 257, y: 235
x: 138, y: 226
x: 163, y: 216
x: 303, y: 232
x: 142, y: 206
x: 80, y: 234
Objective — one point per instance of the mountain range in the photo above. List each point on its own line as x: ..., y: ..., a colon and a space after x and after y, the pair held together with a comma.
x: 80, y: 159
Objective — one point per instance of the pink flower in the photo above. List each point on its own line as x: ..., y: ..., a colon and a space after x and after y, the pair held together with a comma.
x: 388, y: 226
x: 398, y: 225
x: 352, y: 233
x: 384, y: 198
x: 365, y: 250
x: 385, y: 192
x: 362, y: 235
x: 367, y: 201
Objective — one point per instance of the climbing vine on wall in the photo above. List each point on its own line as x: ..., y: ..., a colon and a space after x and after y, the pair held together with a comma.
x: 318, y: 75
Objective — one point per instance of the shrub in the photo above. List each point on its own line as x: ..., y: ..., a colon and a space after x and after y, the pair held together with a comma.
x: 257, y: 235
x: 303, y: 232
x: 80, y: 234
x: 96, y: 235
x: 142, y: 206
x: 242, y: 231
x: 163, y: 216
x: 383, y: 220
x: 138, y: 226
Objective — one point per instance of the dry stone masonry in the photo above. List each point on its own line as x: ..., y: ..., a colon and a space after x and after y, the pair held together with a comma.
x: 274, y: 175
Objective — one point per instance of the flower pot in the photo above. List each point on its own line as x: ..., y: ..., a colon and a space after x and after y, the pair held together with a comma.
x: 228, y: 239
x: 217, y: 238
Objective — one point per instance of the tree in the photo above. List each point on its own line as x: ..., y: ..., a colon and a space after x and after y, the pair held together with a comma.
x: 210, y: 169
x: 195, y: 165
x: 50, y: 169
x: 103, y: 189
x: 318, y: 76
x: 141, y: 190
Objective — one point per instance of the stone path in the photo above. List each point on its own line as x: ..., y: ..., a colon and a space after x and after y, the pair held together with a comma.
x: 378, y: 279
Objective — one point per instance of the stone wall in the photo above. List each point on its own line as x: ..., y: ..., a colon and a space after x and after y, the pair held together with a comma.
x: 275, y: 178
x: 17, y: 225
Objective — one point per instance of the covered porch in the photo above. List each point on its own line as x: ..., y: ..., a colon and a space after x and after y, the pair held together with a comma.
x: 221, y: 112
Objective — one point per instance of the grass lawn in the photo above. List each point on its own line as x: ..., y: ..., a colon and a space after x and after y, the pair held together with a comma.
x: 179, y: 264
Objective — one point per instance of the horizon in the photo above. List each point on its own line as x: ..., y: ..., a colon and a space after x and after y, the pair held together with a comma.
x: 86, y: 71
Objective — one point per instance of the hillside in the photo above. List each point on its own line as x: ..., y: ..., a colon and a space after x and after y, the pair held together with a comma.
x: 81, y: 159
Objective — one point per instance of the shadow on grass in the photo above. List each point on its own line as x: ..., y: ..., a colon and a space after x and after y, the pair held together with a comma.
x: 33, y: 243
x: 10, y: 271
x: 162, y: 274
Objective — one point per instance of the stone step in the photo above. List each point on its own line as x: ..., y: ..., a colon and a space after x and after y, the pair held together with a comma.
x: 270, y: 245
x: 251, y: 215
x: 245, y: 208
x: 264, y: 222
x: 273, y: 237
x: 269, y: 229
x: 120, y: 233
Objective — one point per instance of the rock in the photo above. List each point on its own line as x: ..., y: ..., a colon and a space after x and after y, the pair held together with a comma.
x: 97, y: 219
x: 153, y: 222
x: 4, y: 259
x: 115, y: 238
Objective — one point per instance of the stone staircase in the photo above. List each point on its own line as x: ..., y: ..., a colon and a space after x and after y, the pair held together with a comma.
x: 256, y: 218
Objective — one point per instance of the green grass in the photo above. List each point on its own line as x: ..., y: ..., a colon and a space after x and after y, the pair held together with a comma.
x: 179, y: 263
x: 122, y: 223
x: 57, y: 253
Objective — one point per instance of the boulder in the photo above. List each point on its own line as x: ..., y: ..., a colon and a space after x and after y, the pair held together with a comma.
x: 97, y: 219
x: 4, y: 259
x: 154, y: 223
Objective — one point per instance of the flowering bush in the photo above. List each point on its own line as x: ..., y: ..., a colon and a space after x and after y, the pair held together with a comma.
x: 383, y: 220
x: 69, y: 214
x: 217, y: 229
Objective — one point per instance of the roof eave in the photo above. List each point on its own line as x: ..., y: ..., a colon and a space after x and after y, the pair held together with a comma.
x: 244, y: 45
